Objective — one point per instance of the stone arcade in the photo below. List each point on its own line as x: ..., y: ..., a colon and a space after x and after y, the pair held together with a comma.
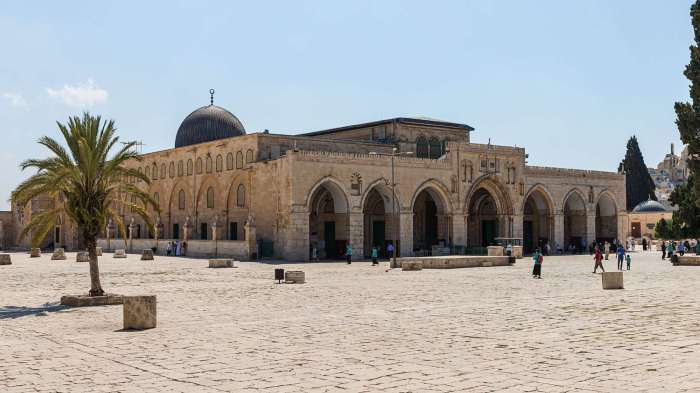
x: 233, y: 194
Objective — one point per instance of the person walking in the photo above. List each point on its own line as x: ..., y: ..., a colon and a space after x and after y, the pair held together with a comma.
x: 663, y: 250
x: 390, y: 250
x: 644, y: 244
x: 669, y: 250
x: 607, y: 250
x: 620, y: 256
x: 598, y: 258
x: 168, y: 249
x: 681, y: 248
x: 184, y: 248
x: 537, y: 268
x: 375, y: 255
x: 628, y: 258
x: 348, y: 253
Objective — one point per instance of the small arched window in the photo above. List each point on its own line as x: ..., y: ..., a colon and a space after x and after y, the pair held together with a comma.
x: 240, y: 196
x: 138, y: 179
x: 162, y: 171
x: 229, y: 161
x: 180, y: 168
x: 421, y: 147
x: 189, y: 167
x: 239, y: 160
x: 155, y: 171
x: 435, y: 148
x: 199, y: 165
x: 249, y: 156
x: 210, y: 198
x: 208, y: 164
x: 219, y: 163
x: 148, y: 171
x: 171, y: 169
x: 181, y: 200
x: 156, y: 199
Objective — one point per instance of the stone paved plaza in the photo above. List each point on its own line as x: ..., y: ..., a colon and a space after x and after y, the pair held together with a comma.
x: 353, y: 328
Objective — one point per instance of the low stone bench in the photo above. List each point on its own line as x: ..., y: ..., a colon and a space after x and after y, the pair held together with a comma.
x: 89, y: 301
x: 121, y: 253
x: 612, y: 280
x: 59, y: 254
x: 294, y: 277
x: 147, y: 254
x: 35, y: 253
x: 495, y: 251
x: 221, y: 263
x: 411, y: 266
x: 5, y: 259
x: 139, y: 312
x: 688, y: 260
x: 98, y: 251
x: 82, y: 256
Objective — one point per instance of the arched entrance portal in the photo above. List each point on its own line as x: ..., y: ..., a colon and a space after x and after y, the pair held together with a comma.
x: 328, y: 221
x: 538, y: 223
x: 430, y: 223
x: 574, y: 221
x: 380, y: 225
x: 606, y: 219
x: 483, y: 223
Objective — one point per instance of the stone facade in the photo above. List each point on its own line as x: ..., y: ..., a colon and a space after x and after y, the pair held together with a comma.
x: 281, y: 196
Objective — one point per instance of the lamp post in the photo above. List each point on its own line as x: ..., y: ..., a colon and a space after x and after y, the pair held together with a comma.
x: 394, y: 153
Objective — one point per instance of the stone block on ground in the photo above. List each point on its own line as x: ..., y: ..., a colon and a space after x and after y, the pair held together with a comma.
x: 688, y: 260
x: 612, y: 280
x: 59, y: 254
x: 5, y: 259
x: 221, y: 263
x: 147, y: 254
x: 495, y: 251
x: 411, y: 266
x: 35, y: 253
x: 82, y: 256
x: 294, y: 277
x: 98, y: 251
x: 139, y: 312
x: 517, y: 252
x: 120, y: 253
x: 89, y: 301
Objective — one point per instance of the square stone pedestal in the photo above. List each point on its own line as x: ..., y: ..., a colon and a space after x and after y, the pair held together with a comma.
x: 495, y: 251
x: 82, y: 256
x: 121, y: 253
x: 35, y: 253
x: 98, y: 251
x: 221, y: 263
x: 58, y: 255
x: 147, y: 254
x: 139, y: 312
x: 612, y: 280
x: 294, y: 277
x: 5, y: 259
x: 517, y: 252
x: 411, y: 266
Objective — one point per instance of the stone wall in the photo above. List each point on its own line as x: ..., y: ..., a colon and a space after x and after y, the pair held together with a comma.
x: 195, y: 248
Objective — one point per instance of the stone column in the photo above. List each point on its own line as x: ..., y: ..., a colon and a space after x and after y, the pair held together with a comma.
x: 458, y: 230
x: 251, y: 237
x: 559, y: 229
x: 517, y: 226
x: 214, y: 235
x: 296, y: 237
x: 590, y: 228
x: 356, y: 233
x: 406, y: 233
x: 132, y: 228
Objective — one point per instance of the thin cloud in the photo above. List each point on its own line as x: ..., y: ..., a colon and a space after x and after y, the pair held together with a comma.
x: 16, y: 100
x: 82, y: 95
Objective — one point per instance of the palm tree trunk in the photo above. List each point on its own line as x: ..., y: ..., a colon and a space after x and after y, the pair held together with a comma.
x: 95, y: 286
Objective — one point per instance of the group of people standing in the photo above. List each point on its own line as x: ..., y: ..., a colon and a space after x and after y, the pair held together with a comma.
x: 176, y: 248
x: 601, y: 251
x: 668, y: 249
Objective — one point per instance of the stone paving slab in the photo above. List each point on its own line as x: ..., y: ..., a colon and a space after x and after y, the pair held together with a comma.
x: 352, y: 328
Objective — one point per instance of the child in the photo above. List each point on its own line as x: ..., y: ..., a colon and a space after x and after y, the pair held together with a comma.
x: 598, y: 258
x: 629, y: 261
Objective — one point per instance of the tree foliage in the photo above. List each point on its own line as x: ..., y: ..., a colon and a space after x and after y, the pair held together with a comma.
x: 640, y: 186
x: 662, y: 230
x: 88, y: 185
x: 688, y: 123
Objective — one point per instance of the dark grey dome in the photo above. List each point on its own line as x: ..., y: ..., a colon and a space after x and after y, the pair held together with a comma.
x: 649, y: 206
x: 208, y: 123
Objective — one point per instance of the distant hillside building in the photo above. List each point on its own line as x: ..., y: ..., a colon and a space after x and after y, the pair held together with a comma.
x: 668, y: 174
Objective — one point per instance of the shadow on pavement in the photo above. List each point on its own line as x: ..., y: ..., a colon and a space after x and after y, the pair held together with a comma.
x: 14, y: 312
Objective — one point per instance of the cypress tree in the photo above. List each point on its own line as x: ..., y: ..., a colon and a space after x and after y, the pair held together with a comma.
x: 640, y: 186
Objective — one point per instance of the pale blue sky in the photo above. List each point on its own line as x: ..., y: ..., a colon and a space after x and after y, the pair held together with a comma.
x: 568, y: 80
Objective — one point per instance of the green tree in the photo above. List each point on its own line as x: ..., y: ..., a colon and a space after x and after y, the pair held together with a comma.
x: 688, y: 123
x: 661, y: 231
x: 92, y: 185
x: 640, y: 186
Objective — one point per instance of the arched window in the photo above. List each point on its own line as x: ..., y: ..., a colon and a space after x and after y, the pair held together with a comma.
x: 155, y: 171
x: 249, y: 156
x: 229, y: 161
x: 210, y: 198
x: 181, y: 200
x: 180, y: 168
x: 171, y: 169
x: 162, y: 171
x: 148, y: 171
x: 421, y: 147
x: 239, y: 160
x: 189, y: 167
x: 219, y: 163
x: 240, y: 196
x: 208, y: 164
x: 199, y: 165
x: 156, y: 198
x: 435, y: 148
x: 140, y: 173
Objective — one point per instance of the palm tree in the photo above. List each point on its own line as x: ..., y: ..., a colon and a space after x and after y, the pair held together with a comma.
x: 92, y: 185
